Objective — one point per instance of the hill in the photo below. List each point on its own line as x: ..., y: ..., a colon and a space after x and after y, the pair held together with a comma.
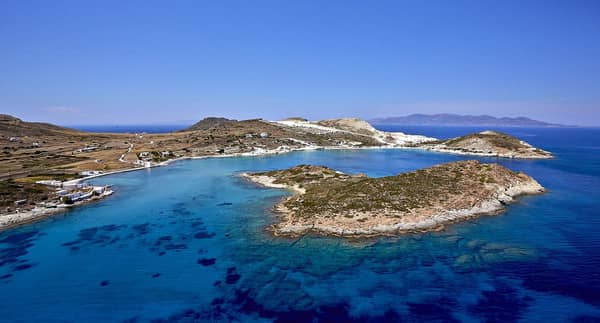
x: 211, y: 122
x: 332, y: 203
x: 489, y: 143
x: 14, y: 127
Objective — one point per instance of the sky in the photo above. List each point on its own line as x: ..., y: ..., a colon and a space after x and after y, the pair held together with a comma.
x: 160, y: 62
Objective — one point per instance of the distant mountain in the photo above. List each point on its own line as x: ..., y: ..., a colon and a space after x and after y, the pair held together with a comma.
x: 447, y: 119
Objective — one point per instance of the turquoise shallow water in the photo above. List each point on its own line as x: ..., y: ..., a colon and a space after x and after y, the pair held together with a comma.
x: 187, y: 243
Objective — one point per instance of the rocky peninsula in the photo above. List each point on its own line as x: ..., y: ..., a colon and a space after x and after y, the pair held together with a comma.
x: 329, y: 202
x: 488, y: 143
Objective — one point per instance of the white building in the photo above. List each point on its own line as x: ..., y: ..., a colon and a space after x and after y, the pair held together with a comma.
x: 53, y: 183
x: 87, y: 149
x: 90, y: 173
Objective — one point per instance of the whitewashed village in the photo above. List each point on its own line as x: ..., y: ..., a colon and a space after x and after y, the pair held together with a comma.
x: 65, y: 195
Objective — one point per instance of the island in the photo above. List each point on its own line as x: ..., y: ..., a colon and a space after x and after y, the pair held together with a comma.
x: 44, y: 165
x: 457, y: 120
x: 329, y: 202
x: 488, y: 143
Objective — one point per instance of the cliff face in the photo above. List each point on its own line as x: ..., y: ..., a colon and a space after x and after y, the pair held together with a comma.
x: 350, y: 124
x: 489, y: 143
x: 330, y: 202
x: 357, y: 127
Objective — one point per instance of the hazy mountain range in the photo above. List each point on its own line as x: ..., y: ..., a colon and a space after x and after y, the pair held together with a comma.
x: 447, y: 119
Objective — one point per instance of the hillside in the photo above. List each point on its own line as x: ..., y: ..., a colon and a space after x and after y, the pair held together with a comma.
x: 355, y: 127
x: 210, y: 122
x: 329, y: 202
x: 489, y: 143
x: 349, y: 124
x: 14, y: 127
x: 32, y: 149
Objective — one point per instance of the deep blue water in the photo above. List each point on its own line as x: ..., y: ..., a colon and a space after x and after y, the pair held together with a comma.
x: 158, y: 128
x: 187, y: 243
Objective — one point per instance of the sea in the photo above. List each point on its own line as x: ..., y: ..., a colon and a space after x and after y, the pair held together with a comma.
x: 187, y: 243
x: 133, y: 128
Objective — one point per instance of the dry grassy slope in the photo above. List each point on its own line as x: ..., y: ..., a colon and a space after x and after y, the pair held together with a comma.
x: 11, y: 126
x: 455, y: 185
x: 211, y: 122
x: 44, y: 148
x: 487, y: 138
x: 491, y: 142
x: 44, y: 151
x: 304, y: 175
x: 231, y: 131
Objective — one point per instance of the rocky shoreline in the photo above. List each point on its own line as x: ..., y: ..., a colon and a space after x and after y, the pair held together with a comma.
x: 488, y: 144
x: 338, y: 219
x: 222, y: 138
x: 12, y: 220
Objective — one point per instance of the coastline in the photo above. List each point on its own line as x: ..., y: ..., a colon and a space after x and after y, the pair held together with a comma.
x: 246, y: 154
x: 374, y: 224
x: 12, y: 220
x: 482, y: 154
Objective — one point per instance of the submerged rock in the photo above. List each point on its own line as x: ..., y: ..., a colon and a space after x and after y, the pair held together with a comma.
x: 481, y: 254
x: 207, y: 261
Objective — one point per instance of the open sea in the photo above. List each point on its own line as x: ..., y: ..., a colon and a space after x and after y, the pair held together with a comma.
x: 187, y: 243
x: 156, y: 128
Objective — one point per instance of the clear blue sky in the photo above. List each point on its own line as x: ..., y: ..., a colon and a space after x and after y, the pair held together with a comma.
x: 125, y: 62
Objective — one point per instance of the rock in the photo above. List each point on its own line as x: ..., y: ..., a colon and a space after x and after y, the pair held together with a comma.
x: 334, y: 203
x: 489, y: 143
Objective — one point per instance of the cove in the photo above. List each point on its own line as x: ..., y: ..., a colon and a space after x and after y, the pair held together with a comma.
x: 187, y: 242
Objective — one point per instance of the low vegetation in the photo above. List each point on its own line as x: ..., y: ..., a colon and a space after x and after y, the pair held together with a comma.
x: 15, y: 195
x: 330, y: 192
x: 332, y: 197
x: 491, y: 143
